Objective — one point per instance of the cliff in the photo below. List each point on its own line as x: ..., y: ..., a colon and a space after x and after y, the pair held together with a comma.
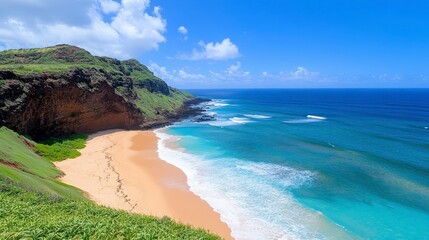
x: 64, y: 89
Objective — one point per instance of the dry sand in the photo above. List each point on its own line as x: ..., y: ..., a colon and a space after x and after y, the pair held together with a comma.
x: 122, y: 170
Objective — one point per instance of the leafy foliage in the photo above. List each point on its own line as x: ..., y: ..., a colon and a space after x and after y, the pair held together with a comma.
x: 57, y: 149
x: 156, y: 106
x: 29, y: 215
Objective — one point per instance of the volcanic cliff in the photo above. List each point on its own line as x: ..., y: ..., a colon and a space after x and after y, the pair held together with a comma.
x: 64, y: 89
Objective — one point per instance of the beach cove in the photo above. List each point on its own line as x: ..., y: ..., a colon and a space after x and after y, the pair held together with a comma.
x: 122, y: 170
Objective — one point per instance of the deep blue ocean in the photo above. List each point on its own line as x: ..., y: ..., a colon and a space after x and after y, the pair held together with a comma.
x: 310, y: 164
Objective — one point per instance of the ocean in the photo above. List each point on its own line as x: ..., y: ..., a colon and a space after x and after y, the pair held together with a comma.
x: 310, y: 163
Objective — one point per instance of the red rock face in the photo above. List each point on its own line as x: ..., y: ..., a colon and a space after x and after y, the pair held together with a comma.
x: 52, y: 105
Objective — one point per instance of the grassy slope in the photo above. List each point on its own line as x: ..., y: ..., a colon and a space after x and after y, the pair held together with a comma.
x: 152, y: 104
x: 30, y: 170
x: 29, y: 215
x: 59, y: 58
x: 34, y: 205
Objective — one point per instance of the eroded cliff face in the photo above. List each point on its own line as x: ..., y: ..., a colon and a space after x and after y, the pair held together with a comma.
x: 63, y: 89
x: 59, y: 104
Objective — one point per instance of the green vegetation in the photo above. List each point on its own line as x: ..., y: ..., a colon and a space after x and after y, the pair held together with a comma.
x: 63, y: 58
x: 19, y: 163
x: 29, y: 215
x: 131, y: 80
x: 34, y: 205
x: 155, y: 106
x: 57, y: 149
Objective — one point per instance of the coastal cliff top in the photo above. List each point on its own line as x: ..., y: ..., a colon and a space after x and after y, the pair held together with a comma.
x: 64, y: 89
x: 64, y: 58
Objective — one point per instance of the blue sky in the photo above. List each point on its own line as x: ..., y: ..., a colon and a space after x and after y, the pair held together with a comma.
x: 230, y: 44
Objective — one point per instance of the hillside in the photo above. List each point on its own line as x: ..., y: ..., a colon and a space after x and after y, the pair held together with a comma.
x: 34, y: 205
x: 63, y: 89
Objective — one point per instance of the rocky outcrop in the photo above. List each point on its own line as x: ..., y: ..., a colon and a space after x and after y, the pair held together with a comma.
x: 52, y: 104
x: 105, y: 94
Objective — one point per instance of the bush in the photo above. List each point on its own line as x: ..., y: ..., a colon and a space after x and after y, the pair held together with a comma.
x: 58, y: 149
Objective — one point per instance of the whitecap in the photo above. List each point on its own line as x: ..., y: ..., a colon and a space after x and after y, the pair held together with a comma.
x: 256, y: 116
x: 230, y: 122
x: 215, y: 103
x: 287, y: 176
x: 315, y: 117
x: 309, y: 119
x: 240, y: 120
x: 306, y: 120
x: 224, y: 123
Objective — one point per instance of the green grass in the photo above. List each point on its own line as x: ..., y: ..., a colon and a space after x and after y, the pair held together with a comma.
x: 155, y: 105
x: 15, y: 149
x: 29, y: 215
x: 58, y: 149
x: 30, y: 170
x: 34, y: 205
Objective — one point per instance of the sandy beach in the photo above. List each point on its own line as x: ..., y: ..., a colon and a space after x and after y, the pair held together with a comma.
x: 122, y: 170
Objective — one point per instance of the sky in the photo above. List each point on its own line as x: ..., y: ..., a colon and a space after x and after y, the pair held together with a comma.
x: 239, y: 43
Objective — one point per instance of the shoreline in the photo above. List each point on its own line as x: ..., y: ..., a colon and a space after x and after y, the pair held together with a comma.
x: 122, y: 170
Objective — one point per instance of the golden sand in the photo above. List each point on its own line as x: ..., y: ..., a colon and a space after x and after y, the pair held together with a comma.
x: 122, y: 170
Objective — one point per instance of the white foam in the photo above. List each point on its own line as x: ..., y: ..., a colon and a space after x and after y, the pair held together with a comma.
x: 306, y: 120
x: 215, y: 103
x: 256, y: 116
x: 240, y: 120
x: 211, y: 113
x: 289, y: 177
x: 252, y: 207
x: 227, y: 122
x: 316, y: 117
x: 309, y: 119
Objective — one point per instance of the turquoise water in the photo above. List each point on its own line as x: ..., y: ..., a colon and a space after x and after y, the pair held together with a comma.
x: 358, y: 168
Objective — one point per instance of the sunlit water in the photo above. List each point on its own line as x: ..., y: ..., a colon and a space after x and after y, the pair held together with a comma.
x: 310, y: 164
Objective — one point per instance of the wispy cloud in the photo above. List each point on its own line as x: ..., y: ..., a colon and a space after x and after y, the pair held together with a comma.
x: 299, y: 73
x: 180, y: 75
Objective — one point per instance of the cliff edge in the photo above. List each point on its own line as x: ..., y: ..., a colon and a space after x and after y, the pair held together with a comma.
x: 64, y: 89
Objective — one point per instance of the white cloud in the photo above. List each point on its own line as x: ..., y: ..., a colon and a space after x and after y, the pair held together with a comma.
x: 109, y: 6
x: 161, y: 72
x: 175, y: 75
x: 131, y: 31
x: 299, y: 74
x: 182, y: 30
x: 234, y: 72
x: 387, y: 77
x: 184, y: 75
x: 234, y: 68
x: 214, y: 51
